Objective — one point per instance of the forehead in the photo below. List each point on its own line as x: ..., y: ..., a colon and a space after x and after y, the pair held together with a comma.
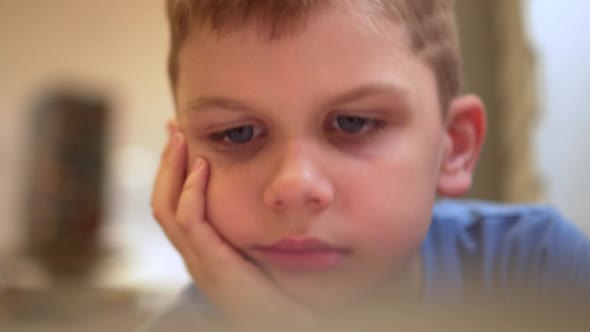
x: 332, y: 51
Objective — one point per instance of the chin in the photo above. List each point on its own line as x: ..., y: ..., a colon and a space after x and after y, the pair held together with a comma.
x: 323, y: 293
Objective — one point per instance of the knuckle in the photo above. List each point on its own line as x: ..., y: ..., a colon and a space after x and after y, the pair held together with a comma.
x: 158, y: 213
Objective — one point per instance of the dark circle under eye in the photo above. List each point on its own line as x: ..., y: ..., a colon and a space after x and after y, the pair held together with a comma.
x: 351, y: 124
x: 240, y: 135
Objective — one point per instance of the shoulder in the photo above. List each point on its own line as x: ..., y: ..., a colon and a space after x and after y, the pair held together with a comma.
x: 505, y: 224
x: 499, y: 245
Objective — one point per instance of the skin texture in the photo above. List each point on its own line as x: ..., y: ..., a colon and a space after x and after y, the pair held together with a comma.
x: 368, y: 192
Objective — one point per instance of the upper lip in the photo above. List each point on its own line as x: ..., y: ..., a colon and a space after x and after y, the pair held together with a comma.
x: 300, y: 244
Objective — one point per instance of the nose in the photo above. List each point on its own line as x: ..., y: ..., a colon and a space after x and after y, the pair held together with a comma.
x: 298, y: 183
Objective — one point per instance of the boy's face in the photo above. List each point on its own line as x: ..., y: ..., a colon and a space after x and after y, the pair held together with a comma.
x: 325, y: 149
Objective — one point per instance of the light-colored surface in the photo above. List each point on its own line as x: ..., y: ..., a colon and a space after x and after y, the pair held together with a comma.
x: 71, y: 310
x: 559, y: 30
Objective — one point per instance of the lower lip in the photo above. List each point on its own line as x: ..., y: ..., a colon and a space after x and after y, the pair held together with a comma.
x: 303, y: 260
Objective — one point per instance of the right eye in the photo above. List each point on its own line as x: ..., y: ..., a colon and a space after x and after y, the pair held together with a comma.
x: 238, y: 135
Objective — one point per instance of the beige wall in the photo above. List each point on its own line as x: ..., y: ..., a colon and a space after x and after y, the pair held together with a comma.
x: 117, y: 47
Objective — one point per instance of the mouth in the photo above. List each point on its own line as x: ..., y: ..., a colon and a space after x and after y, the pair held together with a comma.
x: 302, y: 254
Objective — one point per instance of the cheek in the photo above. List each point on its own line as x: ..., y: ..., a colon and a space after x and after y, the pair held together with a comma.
x: 390, y: 207
x: 393, y: 226
x: 231, y: 203
x: 232, y: 207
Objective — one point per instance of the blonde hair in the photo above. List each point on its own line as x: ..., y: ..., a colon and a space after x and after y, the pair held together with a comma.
x: 430, y: 25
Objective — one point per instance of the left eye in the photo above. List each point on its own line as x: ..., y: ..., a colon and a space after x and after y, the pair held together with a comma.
x: 353, y: 124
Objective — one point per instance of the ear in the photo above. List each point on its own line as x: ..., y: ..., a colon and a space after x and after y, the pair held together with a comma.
x: 465, y: 130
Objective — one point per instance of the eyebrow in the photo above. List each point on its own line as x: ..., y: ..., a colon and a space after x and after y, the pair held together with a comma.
x: 397, y: 91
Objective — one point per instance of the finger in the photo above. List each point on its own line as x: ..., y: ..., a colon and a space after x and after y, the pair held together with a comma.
x: 205, y: 242
x: 172, y: 128
x: 191, y: 205
x: 190, y: 219
x: 168, y: 186
x: 170, y: 178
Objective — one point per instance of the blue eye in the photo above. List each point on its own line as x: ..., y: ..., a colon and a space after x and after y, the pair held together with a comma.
x: 240, y: 135
x: 353, y: 124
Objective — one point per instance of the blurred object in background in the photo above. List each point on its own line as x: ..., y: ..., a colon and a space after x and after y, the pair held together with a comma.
x: 499, y: 66
x: 118, y: 48
x: 64, y: 195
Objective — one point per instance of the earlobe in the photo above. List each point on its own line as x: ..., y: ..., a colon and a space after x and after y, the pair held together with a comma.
x: 465, y: 131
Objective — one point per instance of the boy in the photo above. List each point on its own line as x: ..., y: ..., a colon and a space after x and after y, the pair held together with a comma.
x: 311, y: 141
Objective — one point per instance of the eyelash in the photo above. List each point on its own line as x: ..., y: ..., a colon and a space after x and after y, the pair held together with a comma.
x: 368, y: 125
x: 223, y: 140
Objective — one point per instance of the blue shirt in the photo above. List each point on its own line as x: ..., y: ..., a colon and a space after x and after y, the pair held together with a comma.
x: 490, y: 248
x: 496, y: 249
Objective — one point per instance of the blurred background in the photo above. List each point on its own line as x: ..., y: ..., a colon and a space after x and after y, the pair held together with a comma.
x: 83, y: 102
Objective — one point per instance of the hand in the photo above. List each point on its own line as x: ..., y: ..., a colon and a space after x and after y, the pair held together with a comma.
x: 235, y: 286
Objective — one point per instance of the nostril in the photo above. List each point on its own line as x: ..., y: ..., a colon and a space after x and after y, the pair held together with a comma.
x: 314, y: 201
x: 310, y: 195
x: 284, y: 196
x: 278, y: 203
